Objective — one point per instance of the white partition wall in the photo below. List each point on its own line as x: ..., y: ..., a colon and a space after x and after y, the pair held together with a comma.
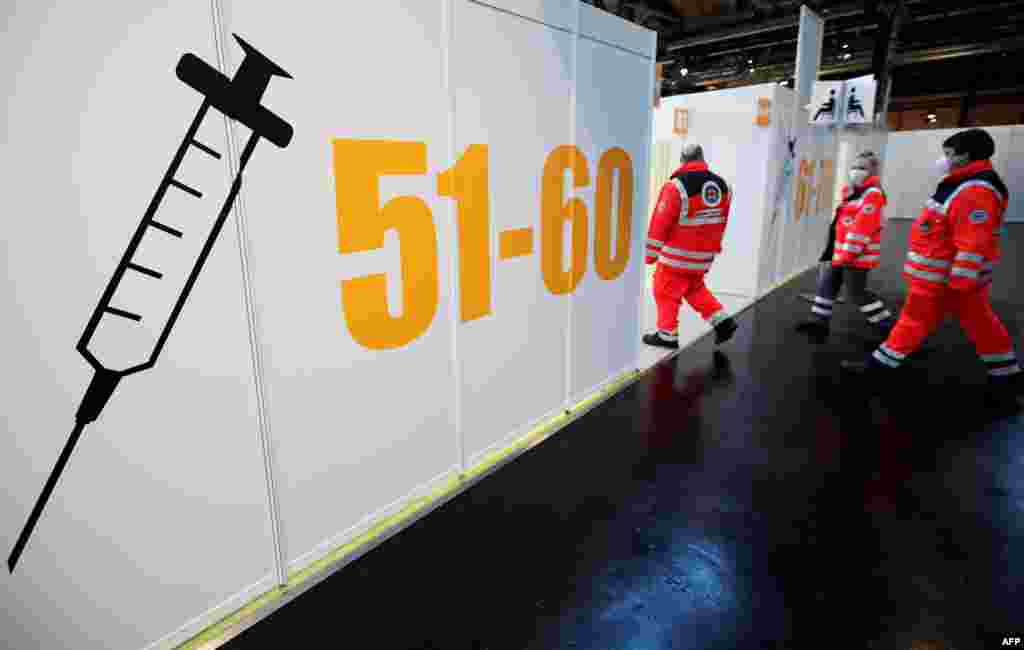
x: 438, y: 244
x: 910, y: 175
x: 803, y: 222
x: 1013, y: 173
x: 779, y: 189
x: 322, y: 219
x: 782, y: 174
x: 724, y: 124
x: 608, y: 115
x: 161, y: 514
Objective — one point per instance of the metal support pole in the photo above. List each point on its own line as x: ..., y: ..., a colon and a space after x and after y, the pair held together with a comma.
x: 971, y: 98
x: 889, y: 27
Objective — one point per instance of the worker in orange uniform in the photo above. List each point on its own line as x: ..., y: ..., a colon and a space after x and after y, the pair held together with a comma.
x: 856, y: 250
x: 685, y: 236
x: 954, y: 247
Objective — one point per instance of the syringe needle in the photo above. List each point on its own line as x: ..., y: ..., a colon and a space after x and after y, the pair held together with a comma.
x: 44, y: 496
x: 96, y: 396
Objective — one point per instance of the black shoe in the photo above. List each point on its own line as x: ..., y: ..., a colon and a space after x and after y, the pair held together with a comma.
x: 1001, y: 395
x: 817, y: 330
x: 1002, y: 404
x: 884, y: 328
x: 856, y: 368
x: 872, y: 375
x: 656, y: 340
x: 725, y: 330
x: 722, y: 369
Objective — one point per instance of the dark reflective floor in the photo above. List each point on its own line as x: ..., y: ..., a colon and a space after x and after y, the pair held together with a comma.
x: 748, y: 502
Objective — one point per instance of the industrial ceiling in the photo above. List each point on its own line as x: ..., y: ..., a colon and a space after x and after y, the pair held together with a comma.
x: 930, y: 47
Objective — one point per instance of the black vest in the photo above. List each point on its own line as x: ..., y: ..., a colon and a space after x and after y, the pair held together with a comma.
x: 948, y: 186
x: 857, y: 193
x: 694, y: 182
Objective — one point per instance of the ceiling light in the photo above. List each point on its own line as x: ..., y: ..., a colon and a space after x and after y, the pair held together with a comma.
x: 751, y: 70
x: 845, y: 46
x: 683, y: 72
x: 750, y: 60
x: 846, y: 57
x: 931, y: 116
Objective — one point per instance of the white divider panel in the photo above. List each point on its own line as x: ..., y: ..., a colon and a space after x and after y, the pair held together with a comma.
x: 818, y: 196
x: 910, y: 176
x: 611, y: 30
x: 559, y: 14
x: 160, y: 517
x: 723, y: 122
x: 361, y: 396
x: 412, y: 303
x: 780, y: 190
x: 802, y: 235
x: 612, y: 128
x: 1002, y: 136
x: 513, y: 86
x: 1014, y: 177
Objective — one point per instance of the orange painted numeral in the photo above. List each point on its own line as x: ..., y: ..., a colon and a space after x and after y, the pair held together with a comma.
x: 362, y: 224
x: 555, y: 211
x: 467, y: 183
x: 610, y: 267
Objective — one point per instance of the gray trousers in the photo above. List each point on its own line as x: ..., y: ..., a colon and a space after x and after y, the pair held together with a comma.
x: 831, y: 280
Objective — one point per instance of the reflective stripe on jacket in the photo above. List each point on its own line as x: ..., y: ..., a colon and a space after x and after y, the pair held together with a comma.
x: 859, y: 224
x: 954, y: 242
x: 689, y: 221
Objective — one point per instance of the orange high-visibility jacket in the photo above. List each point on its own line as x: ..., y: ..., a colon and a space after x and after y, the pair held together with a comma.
x: 859, y: 226
x: 954, y: 242
x: 689, y: 221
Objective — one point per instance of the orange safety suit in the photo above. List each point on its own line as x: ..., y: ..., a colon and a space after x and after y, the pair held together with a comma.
x: 954, y: 247
x: 859, y: 222
x: 685, y: 236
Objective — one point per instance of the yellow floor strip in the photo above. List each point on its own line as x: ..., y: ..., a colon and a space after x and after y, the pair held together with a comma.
x: 222, y: 631
x: 225, y: 629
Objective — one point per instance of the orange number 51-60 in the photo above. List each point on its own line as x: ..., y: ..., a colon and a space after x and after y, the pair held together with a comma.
x: 363, y: 222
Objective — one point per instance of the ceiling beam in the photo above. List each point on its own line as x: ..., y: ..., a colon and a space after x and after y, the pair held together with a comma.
x: 860, y: 63
x: 911, y: 102
x: 790, y: 22
x: 883, y: 55
x: 909, y: 22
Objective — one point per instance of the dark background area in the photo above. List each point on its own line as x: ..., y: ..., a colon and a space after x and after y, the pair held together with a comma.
x: 956, y: 60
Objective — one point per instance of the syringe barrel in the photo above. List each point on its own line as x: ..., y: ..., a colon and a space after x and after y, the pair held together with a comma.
x: 124, y: 338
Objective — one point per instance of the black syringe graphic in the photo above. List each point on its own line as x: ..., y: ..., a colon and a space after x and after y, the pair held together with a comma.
x: 239, y: 99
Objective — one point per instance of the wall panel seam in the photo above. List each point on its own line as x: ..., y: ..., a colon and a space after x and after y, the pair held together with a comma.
x: 567, y: 30
x: 447, y: 48
x: 645, y: 203
x: 255, y: 349
x: 574, y: 142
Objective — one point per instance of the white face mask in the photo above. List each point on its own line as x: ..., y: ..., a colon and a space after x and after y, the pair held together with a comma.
x: 858, y: 176
x: 944, y: 166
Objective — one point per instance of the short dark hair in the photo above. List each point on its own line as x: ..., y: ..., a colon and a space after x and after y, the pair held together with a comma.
x: 691, y: 153
x: 871, y: 158
x: 976, y: 143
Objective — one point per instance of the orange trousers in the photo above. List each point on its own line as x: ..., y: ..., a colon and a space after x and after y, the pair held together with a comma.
x: 922, y: 315
x: 671, y: 288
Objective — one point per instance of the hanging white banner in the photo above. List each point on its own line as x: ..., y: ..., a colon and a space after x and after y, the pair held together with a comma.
x: 808, y: 56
